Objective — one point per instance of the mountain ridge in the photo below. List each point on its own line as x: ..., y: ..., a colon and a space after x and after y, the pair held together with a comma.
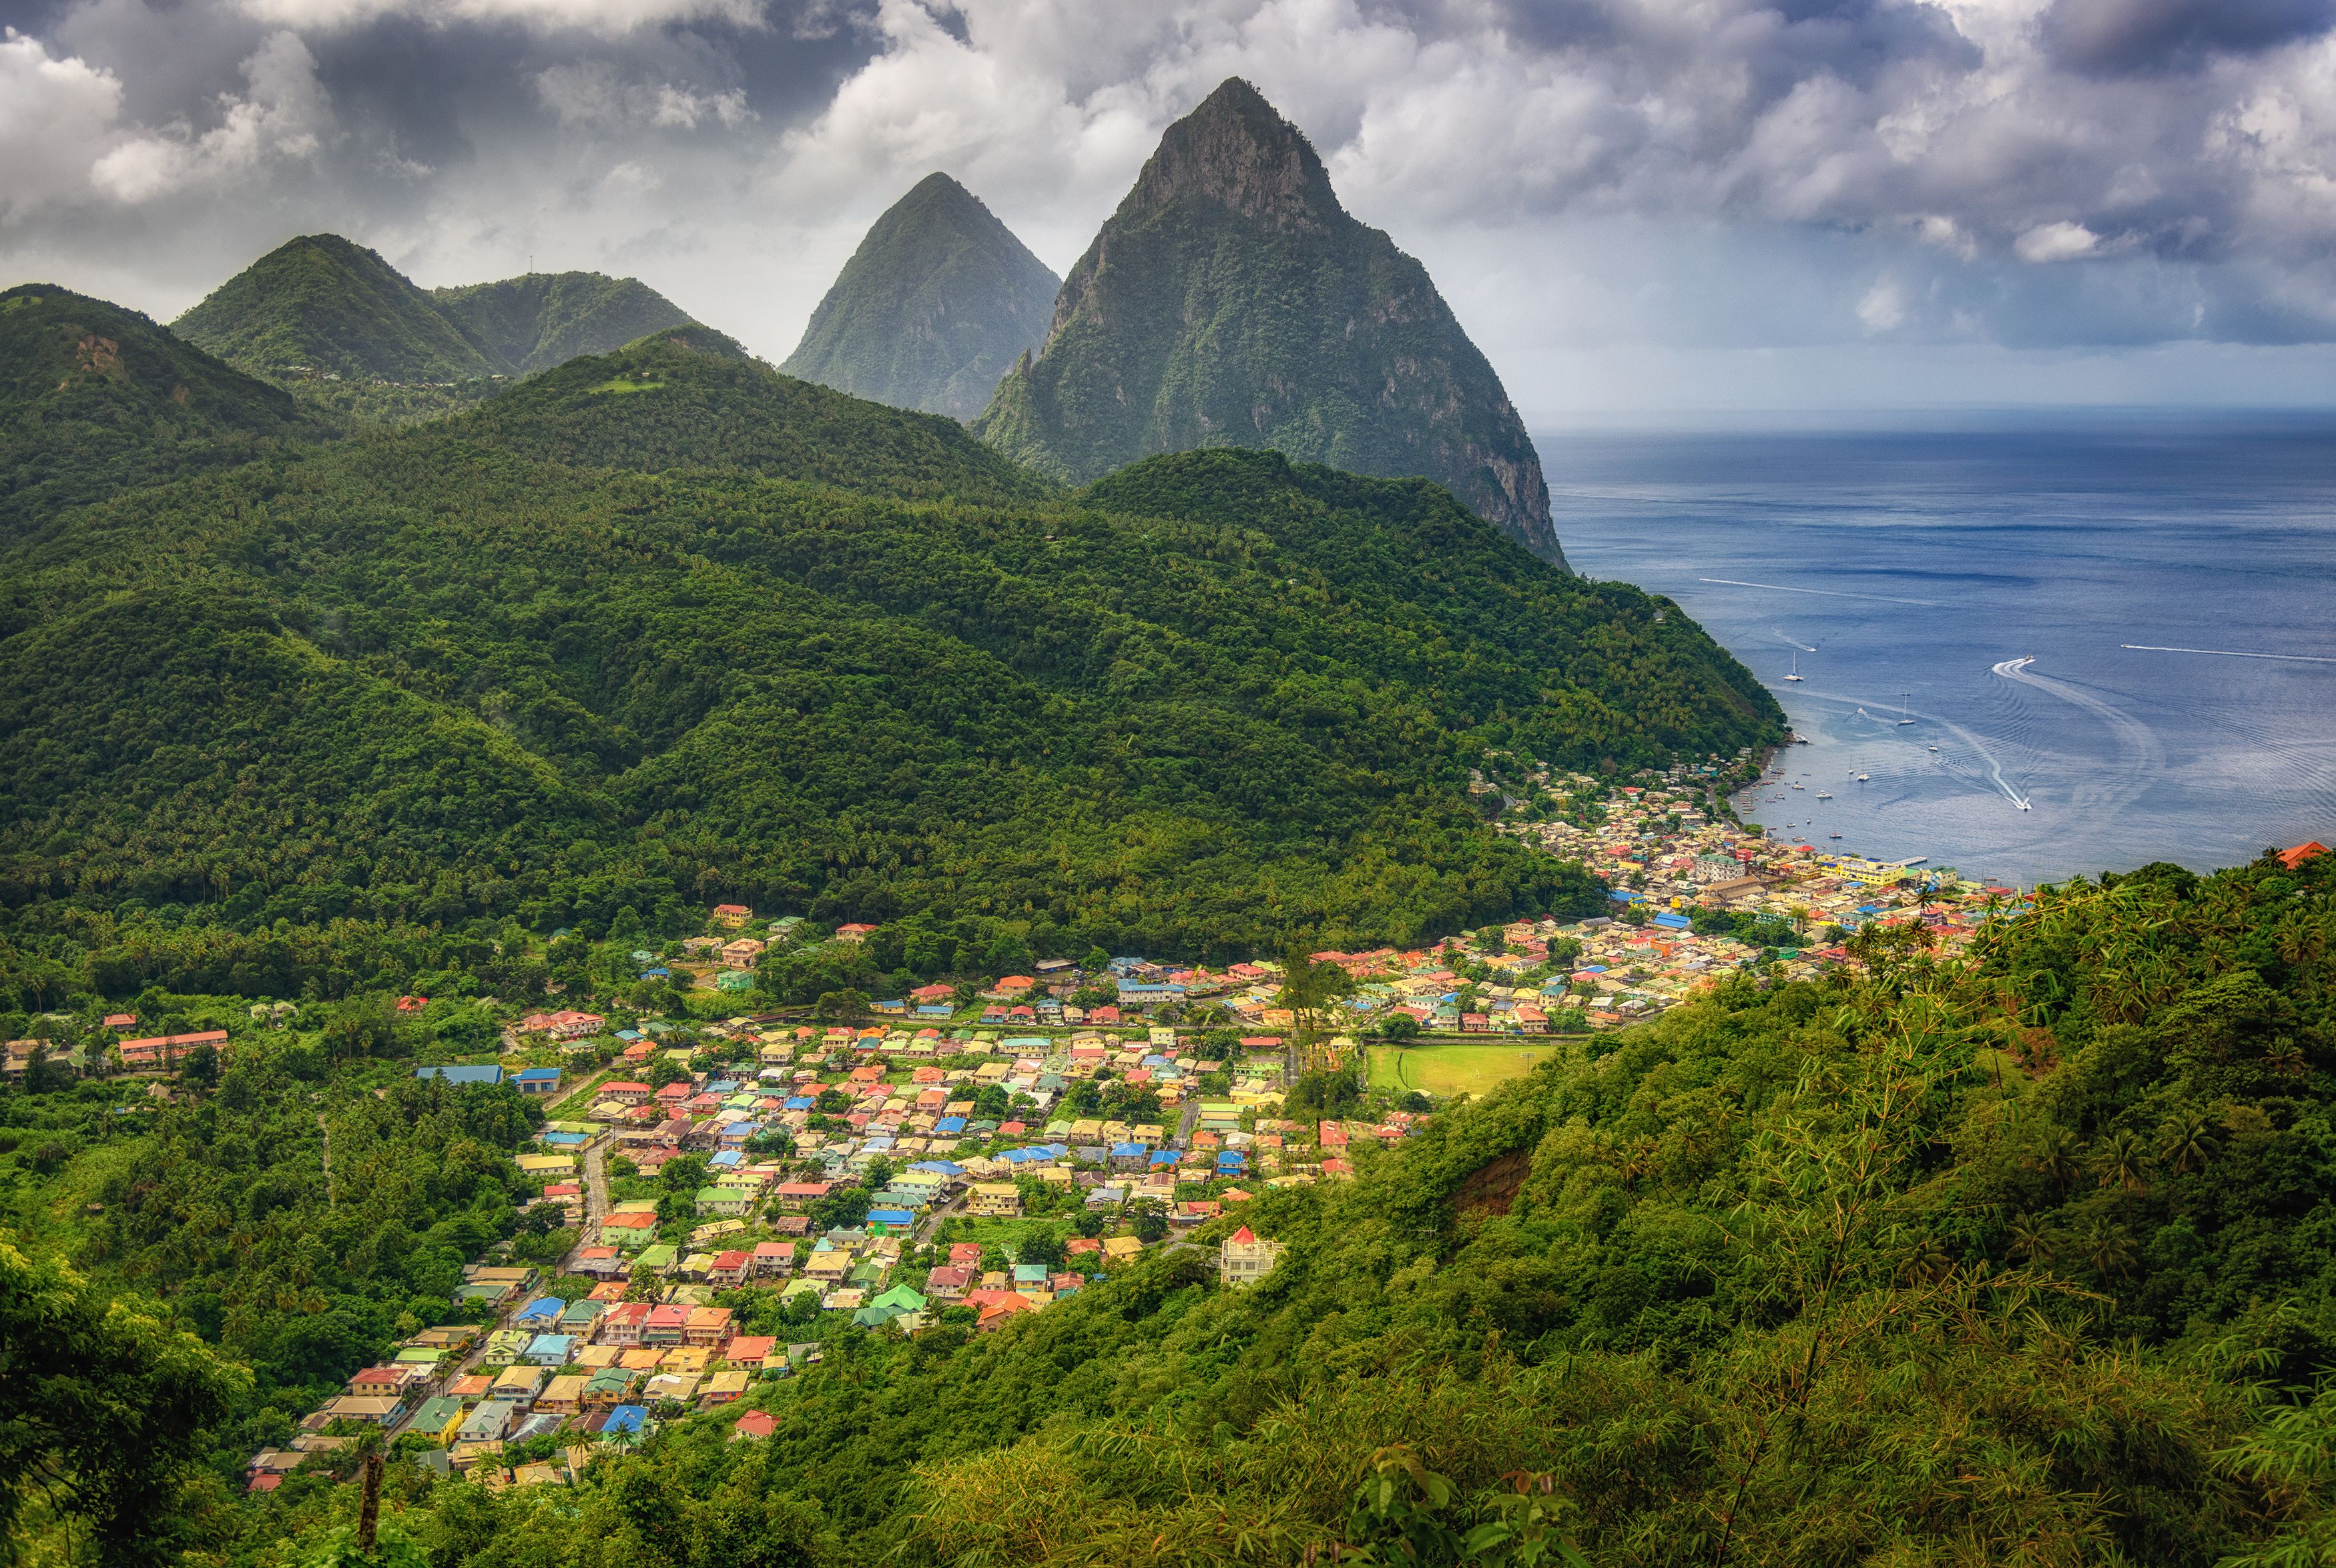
x: 321, y: 305
x: 540, y: 319
x: 1231, y: 300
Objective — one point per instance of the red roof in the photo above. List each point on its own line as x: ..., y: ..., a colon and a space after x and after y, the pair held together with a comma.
x: 1241, y: 1238
x: 756, y: 1423
x: 2291, y: 858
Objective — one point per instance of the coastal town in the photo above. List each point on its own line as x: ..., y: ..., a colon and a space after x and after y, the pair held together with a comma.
x: 716, y: 1198
x: 717, y: 1188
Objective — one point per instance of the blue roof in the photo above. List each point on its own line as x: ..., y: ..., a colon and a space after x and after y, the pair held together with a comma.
x: 1129, y: 1150
x: 797, y: 1102
x: 932, y: 1010
x: 721, y: 1086
x: 946, y: 1167
x: 728, y: 1157
x: 538, y: 1074
x: 626, y: 1418
x: 949, y: 1123
x: 892, y: 1217
x: 565, y: 1139
x: 546, y: 1344
x: 487, y: 1074
x: 1156, y: 1059
x: 543, y: 1307
x: 659, y: 973
x: 1165, y: 1156
x: 1674, y: 922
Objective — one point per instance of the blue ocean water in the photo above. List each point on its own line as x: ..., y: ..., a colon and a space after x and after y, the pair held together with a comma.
x: 1909, y: 573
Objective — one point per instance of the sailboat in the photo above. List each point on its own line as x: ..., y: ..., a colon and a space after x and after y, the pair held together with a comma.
x: 1902, y: 699
x: 1797, y: 669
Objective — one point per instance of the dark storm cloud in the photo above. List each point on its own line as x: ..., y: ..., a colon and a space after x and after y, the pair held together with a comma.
x: 2123, y: 36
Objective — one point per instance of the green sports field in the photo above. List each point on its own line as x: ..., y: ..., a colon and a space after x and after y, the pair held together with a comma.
x: 1447, y: 1070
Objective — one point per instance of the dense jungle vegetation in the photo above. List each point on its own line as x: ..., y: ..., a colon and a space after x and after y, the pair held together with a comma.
x: 664, y: 627
x: 2022, y: 1259
x: 95, y: 399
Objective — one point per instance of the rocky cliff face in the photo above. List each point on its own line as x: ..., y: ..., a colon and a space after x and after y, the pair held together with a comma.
x: 1231, y: 301
x: 937, y: 303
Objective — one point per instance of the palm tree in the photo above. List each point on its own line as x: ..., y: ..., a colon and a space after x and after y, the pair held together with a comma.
x: 2104, y: 1248
x: 2187, y: 1141
x: 2057, y: 1158
x: 2031, y: 1242
x: 2122, y: 1161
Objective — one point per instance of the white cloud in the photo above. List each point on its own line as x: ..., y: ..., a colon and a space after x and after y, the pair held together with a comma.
x: 282, y: 115
x: 54, y: 117
x: 2061, y: 241
x: 591, y: 93
x: 1883, y: 305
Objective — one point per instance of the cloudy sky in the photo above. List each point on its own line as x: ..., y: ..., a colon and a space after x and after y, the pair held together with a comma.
x: 1635, y: 205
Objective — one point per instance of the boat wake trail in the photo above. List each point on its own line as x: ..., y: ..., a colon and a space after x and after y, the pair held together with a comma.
x: 1804, y: 647
x: 2148, y: 754
x: 1994, y: 768
x: 2218, y: 654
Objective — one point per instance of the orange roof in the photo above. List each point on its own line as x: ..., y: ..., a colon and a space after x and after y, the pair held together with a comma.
x: 2291, y: 858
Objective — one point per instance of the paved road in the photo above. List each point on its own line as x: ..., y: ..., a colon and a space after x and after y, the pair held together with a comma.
x: 595, y: 1184
x: 1185, y: 1122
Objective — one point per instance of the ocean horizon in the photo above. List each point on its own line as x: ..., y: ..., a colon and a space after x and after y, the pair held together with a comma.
x: 2054, y: 642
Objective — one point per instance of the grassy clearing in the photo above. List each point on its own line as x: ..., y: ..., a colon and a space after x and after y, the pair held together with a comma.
x: 1448, y: 1069
x: 621, y: 385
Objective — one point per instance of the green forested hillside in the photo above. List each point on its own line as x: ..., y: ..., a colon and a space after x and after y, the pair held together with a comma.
x: 2018, y: 1262
x: 541, y: 319
x: 939, y: 302
x: 325, y: 304
x: 689, y: 397
x: 532, y: 686
x: 95, y: 399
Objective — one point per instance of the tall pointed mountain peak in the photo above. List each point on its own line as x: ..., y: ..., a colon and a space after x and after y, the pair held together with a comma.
x: 1237, y: 150
x: 1231, y: 302
x: 939, y: 302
